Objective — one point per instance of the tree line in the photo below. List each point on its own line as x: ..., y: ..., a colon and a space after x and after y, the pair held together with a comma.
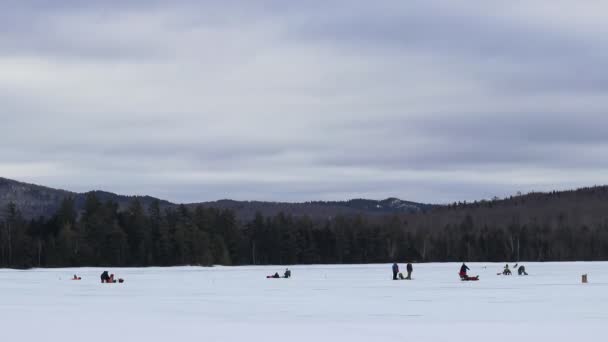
x: 104, y: 235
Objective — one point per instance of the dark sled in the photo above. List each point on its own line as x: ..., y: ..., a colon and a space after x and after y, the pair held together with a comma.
x: 401, y: 277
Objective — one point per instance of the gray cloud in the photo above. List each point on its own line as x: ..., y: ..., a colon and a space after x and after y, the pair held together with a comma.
x: 424, y: 100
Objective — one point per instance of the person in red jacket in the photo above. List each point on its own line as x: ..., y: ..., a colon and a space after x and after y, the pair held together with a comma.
x: 463, y: 271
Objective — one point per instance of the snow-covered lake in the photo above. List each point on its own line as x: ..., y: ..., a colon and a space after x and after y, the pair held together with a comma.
x: 320, y: 303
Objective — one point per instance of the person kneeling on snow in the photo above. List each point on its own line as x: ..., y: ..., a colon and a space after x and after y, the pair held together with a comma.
x: 287, y: 273
x: 506, y: 271
x: 105, y: 277
x: 463, y: 271
x: 521, y: 270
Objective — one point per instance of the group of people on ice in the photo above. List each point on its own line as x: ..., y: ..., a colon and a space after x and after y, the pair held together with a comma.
x: 521, y: 270
x: 286, y: 275
x: 399, y: 276
x: 109, y: 278
x: 106, y: 278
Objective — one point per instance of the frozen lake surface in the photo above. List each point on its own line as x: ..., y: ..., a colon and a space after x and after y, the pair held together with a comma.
x: 320, y: 303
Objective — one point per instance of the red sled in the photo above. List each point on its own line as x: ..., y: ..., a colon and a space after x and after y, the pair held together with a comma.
x: 467, y: 278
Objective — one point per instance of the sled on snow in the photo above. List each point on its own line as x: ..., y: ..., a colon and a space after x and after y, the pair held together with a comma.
x: 401, y: 277
x: 114, y: 281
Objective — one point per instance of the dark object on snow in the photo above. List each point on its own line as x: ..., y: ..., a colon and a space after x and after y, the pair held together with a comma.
x: 395, y: 271
x: 120, y: 280
x: 287, y: 273
x: 107, y: 278
x: 275, y: 276
x: 521, y: 270
x: 467, y: 278
x: 506, y: 271
x: 401, y: 277
x: 463, y: 271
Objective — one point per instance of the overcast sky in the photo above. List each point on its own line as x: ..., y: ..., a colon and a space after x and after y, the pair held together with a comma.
x: 431, y: 101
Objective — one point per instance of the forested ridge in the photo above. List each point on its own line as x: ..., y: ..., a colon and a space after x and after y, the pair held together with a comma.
x: 34, y: 201
x: 568, y: 225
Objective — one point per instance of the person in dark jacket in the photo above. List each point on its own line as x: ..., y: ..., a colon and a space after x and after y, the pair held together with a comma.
x: 287, y: 273
x: 463, y: 270
x: 409, y: 269
x: 522, y: 270
x: 105, y: 277
x: 395, y: 271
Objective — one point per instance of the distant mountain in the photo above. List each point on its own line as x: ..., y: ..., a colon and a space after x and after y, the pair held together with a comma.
x: 246, y: 210
x: 34, y: 201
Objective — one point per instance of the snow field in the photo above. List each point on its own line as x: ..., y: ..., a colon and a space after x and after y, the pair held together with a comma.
x: 320, y: 303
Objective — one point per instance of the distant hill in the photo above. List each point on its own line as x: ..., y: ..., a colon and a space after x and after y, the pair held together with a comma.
x: 246, y: 210
x: 34, y: 201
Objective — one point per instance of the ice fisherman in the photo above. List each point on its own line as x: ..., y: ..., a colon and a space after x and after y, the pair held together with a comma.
x: 506, y: 271
x: 522, y: 270
x: 287, y: 273
x: 105, y: 277
x: 409, y: 268
x: 463, y: 270
x: 395, y: 271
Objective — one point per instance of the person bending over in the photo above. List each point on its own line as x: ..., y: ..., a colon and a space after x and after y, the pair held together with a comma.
x: 463, y: 271
x: 522, y: 270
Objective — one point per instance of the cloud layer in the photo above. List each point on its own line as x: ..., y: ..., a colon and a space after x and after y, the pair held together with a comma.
x: 431, y: 101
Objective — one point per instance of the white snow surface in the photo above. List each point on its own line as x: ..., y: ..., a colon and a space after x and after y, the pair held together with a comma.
x: 319, y: 303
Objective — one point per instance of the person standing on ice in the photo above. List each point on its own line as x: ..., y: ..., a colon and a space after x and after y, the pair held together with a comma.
x: 409, y: 268
x: 463, y: 270
x: 395, y: 271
